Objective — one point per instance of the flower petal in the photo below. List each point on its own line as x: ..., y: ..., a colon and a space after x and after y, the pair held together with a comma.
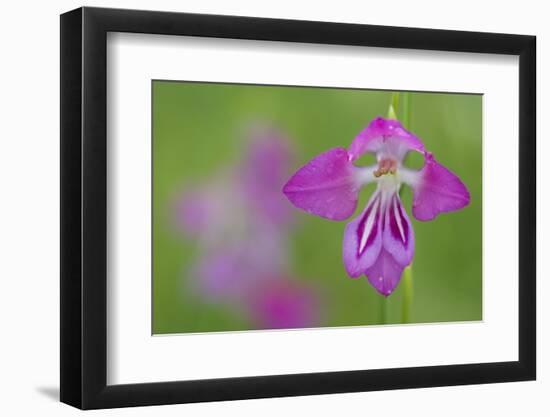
x: 398, y: 233
x: 363, y: 238
x: 385, y: 273
x: 437, y: 190
x: 385, y: 137
x: 326, y: 186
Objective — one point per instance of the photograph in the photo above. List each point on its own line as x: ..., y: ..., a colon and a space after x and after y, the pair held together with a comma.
x: 293, y: 207
x: 255, y: 206
x: 275, y: 209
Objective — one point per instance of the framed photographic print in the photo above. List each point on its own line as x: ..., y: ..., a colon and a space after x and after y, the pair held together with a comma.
x: 258, y: 207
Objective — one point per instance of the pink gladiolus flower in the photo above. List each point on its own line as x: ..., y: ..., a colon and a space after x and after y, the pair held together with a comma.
x: 380, y: 242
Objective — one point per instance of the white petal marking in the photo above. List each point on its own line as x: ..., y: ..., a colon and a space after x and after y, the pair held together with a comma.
x: 397, y: 215
x: 369, y: 225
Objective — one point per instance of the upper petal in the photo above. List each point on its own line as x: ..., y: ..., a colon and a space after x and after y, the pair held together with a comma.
x: 385, y: 273
x: 363, y: 238
x: 326, y: 186
x: 437, y: 190
x: 386, y: 137
x: 398, y: 232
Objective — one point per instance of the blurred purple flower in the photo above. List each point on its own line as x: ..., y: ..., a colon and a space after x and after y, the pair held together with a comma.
x: 252, y: 192
x: 283, y: 303
x: 228, y: 271
x: 194, y: 211
x: 263, y: 173
x: 239, y: 222
x: 380, y: 242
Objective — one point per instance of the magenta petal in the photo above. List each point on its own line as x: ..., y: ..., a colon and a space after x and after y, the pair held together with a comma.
x: 325, y: 186
x: 385, y: 273
x: 398, y: 232
x: 363, y: 238
x: 386, y: 137
x: 437, y: 191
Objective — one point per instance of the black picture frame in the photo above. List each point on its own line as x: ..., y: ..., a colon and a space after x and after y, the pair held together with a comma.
x: 84, y: 207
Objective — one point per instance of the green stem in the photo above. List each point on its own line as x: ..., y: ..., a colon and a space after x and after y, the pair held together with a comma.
x: 407, y: 294
x: 406, y: 119
x: 383, y: 310
x: 407, y: 273
x: 394, y: 106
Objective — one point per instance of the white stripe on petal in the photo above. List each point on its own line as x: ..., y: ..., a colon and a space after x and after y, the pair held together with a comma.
x: 397, y: 215
x: 369, y: 224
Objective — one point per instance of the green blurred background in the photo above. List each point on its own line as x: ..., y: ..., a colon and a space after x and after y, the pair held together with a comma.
x: 198, y: 131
